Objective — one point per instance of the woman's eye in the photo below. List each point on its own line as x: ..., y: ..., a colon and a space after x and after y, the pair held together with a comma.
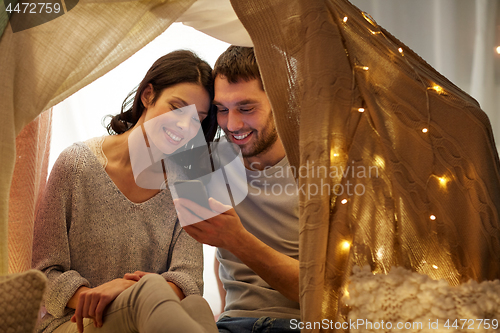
x: 196, y: 119
x: 176, y: 109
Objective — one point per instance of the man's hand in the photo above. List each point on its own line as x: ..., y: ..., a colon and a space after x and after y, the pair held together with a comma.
x: 222, y: 230
x: 92, y: 302
x: 225, y: 230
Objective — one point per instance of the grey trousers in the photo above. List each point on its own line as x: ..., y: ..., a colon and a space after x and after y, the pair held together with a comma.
x: 151, y: 306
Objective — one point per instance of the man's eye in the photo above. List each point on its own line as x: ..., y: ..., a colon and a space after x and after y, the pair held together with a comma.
x: 221, y: 109
x: 246, y: 109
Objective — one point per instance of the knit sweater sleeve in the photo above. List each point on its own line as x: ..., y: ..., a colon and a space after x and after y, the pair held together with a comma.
x: 186, y: 267
x: 51, y: 252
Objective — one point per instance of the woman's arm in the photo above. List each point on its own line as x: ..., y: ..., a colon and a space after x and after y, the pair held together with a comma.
x: 51, y: 250
x: 185, y: 272
x: 186, y: 266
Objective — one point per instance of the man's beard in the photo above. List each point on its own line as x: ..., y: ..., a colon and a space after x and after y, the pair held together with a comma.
x: 264, y: 139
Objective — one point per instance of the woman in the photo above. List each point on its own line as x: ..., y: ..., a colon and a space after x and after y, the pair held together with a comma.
x: 98, y: 234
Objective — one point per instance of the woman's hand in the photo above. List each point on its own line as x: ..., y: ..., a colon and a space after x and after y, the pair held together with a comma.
x: 137, y: 275
x: 92, y: 302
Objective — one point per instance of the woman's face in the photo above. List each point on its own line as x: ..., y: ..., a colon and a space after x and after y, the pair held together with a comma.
x: 173, y: 120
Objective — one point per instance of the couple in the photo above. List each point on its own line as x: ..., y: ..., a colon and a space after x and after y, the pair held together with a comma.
x: 117, y: 260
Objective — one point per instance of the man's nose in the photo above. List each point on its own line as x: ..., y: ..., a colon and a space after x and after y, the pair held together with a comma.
x: 234, y: 121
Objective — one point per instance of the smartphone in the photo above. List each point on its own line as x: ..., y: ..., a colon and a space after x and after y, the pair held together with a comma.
x: 193, y: 190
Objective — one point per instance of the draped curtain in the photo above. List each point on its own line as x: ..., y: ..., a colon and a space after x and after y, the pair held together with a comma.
x: 43, y: 65
x: 28, y: 181
x: 457, y: 37
x: 349, y: 98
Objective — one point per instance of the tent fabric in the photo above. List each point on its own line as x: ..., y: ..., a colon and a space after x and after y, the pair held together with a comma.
x: 348, y: 97
x: 43, y: 65
x: 28, y: 182
x: 431, y: 204
x: 216, y: 18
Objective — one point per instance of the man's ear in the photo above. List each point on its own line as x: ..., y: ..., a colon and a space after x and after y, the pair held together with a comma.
x: 147, y: 96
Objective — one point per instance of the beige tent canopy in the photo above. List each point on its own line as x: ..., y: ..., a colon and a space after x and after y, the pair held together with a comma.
x: 347, y: 96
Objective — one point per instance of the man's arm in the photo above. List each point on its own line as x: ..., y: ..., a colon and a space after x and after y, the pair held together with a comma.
x: 226, y: 231
x: 220, y: 286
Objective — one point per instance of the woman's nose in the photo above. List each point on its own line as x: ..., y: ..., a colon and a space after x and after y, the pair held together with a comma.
x: 183, y: 121
x: 234, y: 121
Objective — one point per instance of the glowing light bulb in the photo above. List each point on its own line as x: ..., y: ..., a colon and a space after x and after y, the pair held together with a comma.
x: 379, y: 161
x: 434, y: 266
x: 344, y: 201
x: 365, y: 68
x: 437, y: 89
x: 346, y: 245
x: 432, y: 217
x: 442, y: 181
x: 380, y: 253
x: 361, y: 110
x: 498, y: 49
x: 400, y: 50
x: 345, y: 19
x: 425, y: 130
x: 333, y: 154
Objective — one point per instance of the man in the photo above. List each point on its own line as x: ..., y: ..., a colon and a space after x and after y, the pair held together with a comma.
x: 258, y: 240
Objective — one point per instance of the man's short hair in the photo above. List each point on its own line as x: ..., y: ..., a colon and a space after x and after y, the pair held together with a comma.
x: 237, y: 63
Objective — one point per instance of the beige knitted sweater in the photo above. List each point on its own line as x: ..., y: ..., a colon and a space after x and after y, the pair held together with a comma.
x: 87, y: 233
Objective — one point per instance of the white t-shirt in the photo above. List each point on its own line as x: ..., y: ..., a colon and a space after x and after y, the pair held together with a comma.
x: 271, y: 213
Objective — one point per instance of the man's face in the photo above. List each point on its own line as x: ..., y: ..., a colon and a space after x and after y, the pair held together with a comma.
x: 244, y: 113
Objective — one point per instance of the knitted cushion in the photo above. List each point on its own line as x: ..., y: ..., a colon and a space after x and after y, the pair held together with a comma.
x: 20, y: 298
x: 420, y: 303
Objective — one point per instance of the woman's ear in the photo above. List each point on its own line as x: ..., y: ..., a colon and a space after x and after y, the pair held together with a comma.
x: 147, y: 96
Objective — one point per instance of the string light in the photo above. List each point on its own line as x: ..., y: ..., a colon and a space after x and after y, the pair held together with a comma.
x: 498, y: 49
x: 437, y: 89
x: 346, y: 245
x: 369, y: 19
x: 425, y: 130
x: 380, y: 253
x: 333, y: 154
x: 365, y: 68
x: 442, y: 181
x: 361, y: 110
x: 379, y: 161
x: 432, y: 217
x: 344, y: 201
x: 400, y: 50
x: 434, y: 266
x: 345, y: 19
